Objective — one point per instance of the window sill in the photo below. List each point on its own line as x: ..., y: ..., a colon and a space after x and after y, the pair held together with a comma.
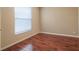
x: 18, y: 33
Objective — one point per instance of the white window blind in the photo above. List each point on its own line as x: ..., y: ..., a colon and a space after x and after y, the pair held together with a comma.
x: 23, y: 18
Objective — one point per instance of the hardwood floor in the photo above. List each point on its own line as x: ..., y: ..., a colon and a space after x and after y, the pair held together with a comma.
x: 46, y: 42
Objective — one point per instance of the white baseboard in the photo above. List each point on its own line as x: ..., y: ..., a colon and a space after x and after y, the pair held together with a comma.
x: 17, y: 42
x: 61, y: 34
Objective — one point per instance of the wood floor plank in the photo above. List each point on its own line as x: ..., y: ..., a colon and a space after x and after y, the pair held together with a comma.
x: 47, y: 42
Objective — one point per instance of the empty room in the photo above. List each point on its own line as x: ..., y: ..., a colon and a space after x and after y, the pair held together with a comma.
x: 39, y: 28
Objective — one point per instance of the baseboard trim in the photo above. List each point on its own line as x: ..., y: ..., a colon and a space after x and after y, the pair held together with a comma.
x: 17, y: 42
x: 61, y: 34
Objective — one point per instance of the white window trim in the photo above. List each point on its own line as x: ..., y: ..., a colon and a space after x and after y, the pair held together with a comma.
x: 25, y: 30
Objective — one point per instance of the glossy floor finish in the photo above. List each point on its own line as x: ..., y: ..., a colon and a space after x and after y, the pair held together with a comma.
x: 47, y: 42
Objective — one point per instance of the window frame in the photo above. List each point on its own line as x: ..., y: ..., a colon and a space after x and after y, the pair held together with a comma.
x: 16, y: 33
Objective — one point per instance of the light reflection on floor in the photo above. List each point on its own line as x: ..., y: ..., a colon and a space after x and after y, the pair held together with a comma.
x: 27, y: 48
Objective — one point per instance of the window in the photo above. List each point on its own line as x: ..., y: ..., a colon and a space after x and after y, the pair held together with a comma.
x: 23, y: 18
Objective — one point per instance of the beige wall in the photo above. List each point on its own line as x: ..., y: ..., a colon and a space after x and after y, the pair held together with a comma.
x: 8, y: 36
x: 0, y: 28
x: 78, y: 21
x: 59, y: 20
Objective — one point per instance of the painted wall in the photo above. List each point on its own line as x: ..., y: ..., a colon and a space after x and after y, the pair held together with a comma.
x: 61, y: 20
x: 8, y: 36
x: 78, y: 21
x: 0, y: 28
